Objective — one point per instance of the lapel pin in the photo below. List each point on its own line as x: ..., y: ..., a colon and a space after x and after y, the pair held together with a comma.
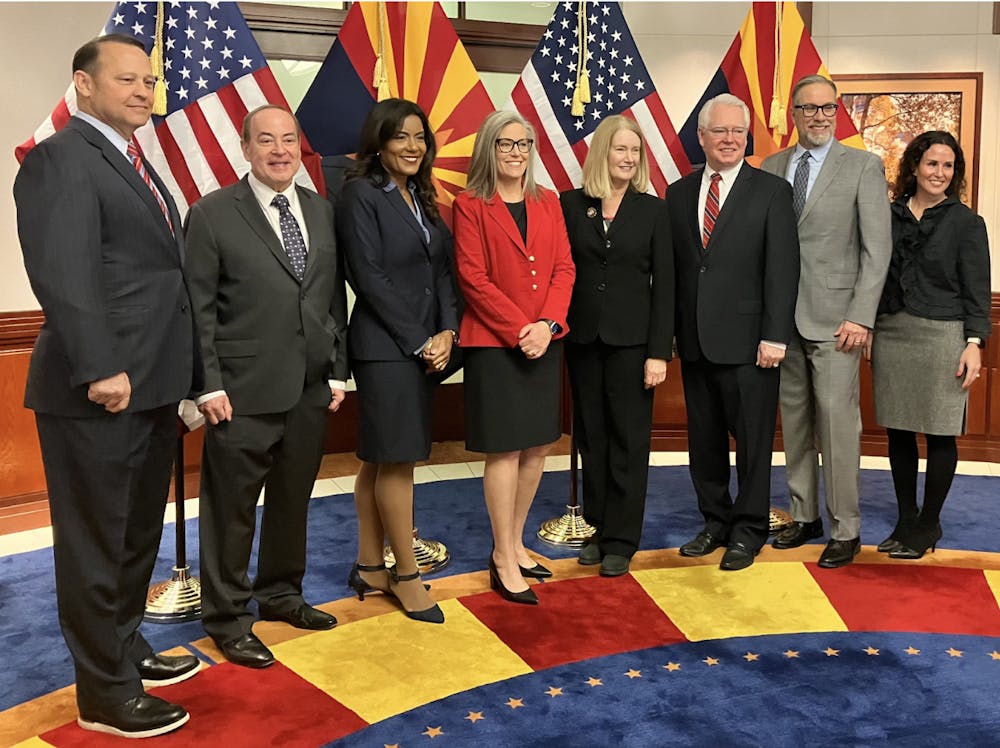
x: 591, y: 212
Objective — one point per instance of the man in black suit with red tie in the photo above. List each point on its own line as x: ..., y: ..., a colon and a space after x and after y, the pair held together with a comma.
x: 736, y: 254
x: 115, y: 355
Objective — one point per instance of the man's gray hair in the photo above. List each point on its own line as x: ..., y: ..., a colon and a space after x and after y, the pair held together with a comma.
x: 726, y: 99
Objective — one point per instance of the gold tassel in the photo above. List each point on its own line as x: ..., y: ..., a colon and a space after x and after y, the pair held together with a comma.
x: 581, y: 92
x: 778, y: 119
x: 156, y: 60
x: 380, y: 80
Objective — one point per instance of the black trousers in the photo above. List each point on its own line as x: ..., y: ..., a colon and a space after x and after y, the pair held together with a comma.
x: 612, y: 413
x: 742, y: 401
x: 107, y: 479
x: 279, y: 453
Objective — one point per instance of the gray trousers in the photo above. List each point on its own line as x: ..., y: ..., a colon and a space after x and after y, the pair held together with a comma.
x: 821, y: 414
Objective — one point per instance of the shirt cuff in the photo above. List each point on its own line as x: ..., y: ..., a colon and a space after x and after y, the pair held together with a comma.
x: 208, y: 396
x: 779, y: 346
x: 336, y: 384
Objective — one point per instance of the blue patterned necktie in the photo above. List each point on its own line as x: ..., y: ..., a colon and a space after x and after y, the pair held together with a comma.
x: 801, y: 185
x: 291, y: 236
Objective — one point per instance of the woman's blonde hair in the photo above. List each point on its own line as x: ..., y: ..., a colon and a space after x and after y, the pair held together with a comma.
x: 482, y: 177
x: 596, y: 178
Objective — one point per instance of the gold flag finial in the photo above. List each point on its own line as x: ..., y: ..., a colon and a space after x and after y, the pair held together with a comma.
x: 778, y: 119
x: 156, y: 60
x: 379, y: 79
x: 581, y: 92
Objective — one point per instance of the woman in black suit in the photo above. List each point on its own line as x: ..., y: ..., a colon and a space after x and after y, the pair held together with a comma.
x: 621, y: 328
x: 933, y: 317
x: 401, y: 333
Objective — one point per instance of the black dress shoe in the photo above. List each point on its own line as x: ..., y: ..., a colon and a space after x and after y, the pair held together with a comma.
x: 703, y: 544
x: 736, y: 557
x: 798, y: 533
x: 248, y: 651
x: 140, y: 717
x: 535, y: 572
x: 527, y: 597
x: 887, y: 545
x: 303, y: 617
x: 590, y: 554
x: 839, y: 553
x: 164, y: 670
x: 614, y: 565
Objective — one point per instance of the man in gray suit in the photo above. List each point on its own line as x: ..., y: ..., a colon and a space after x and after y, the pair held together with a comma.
x: 270, y: 304
x: 841, y: 199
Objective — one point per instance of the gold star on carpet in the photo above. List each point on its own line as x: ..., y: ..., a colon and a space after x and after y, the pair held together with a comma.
x: 432, y: 732
x: 791, y: 654
x: 831, y: 652
x: 474, y: 717
x: 871, y: 651
x: 672, y: 666
x: 515, y: 703
x: 553, y: 692
x: 633, y: 673
x: 592, y: 682
x: 995, y: 655
x: 952, y: 652
x: 751, y: 657
x: 711, y: 661
x: 912, y: 651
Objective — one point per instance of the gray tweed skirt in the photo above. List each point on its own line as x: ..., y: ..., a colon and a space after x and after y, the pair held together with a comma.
x: 914, y: 361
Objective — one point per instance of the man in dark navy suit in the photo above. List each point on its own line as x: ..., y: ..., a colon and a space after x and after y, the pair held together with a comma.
x: 98, y: 231
x: 736, y: 254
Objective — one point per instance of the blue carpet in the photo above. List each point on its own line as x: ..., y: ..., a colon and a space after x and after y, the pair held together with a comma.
x: 36, y: 660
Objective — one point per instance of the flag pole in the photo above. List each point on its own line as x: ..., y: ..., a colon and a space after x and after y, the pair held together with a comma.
x: 177, y: 599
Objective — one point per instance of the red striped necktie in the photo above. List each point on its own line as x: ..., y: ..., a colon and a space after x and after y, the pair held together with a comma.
x: 136, y: 159
x: 711, y: 210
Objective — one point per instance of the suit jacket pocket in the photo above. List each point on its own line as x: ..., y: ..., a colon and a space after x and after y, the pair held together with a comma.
x: 753, y: 306
x: 841, y: 280
x: 235, y: 348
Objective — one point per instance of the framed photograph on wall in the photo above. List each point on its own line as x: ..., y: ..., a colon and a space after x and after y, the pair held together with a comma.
x: 890, y: 110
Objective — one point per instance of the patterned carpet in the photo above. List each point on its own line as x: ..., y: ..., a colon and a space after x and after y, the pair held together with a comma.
x: 676, y: 653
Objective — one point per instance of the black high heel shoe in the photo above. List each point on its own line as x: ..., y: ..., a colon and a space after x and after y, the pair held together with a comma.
x: 887, y: 545
x: 433, y: 614
x: 528, y: 596
x: 359, y: 585
x: 919, y: 546
x: 535, y: 572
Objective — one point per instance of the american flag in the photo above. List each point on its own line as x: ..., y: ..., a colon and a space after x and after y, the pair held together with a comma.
x: 619, y: 84
x: 215, y: 73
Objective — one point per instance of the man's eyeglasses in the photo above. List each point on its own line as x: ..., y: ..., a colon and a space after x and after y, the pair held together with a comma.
x: 809, y: 110
x: 506, y: 145
x: 722, y: 132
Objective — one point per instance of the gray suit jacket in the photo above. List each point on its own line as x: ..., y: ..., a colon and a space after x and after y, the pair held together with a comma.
x: 845, y: 241
x: 264, y: 335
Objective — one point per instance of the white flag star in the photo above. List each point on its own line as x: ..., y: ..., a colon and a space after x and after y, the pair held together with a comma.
x: 202, y: 83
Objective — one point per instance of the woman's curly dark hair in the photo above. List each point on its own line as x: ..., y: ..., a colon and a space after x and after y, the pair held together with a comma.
x: 906, y: 179
x: 382, y: 123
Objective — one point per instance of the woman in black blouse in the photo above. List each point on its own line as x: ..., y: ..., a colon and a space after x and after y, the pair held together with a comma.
x: 933, y: 318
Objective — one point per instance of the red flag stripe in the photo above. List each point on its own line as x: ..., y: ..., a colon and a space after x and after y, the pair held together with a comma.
x: 175, y: 157
x: 550, y: 160
x: 213, y: 153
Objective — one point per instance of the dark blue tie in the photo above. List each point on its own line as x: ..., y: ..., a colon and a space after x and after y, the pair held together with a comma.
x: 800, y: 187
x: 291, y: 236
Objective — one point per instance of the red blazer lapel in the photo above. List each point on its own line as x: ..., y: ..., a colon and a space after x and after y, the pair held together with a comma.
x: 500, y: 215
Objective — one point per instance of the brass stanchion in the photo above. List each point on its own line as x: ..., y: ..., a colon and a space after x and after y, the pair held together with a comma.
x: 431, y: 555
x: 778, y: 520
x: 179, y: 598
x: 569, y: 530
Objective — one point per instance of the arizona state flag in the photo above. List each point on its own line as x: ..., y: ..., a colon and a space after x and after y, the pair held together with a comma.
x: 771, y: 52
x: 405, y: 50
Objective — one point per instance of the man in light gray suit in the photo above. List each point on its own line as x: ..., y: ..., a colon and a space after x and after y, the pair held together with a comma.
x: 845, y: 238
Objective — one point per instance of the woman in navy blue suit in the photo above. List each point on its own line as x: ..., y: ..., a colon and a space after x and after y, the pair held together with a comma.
x: 401, y: 333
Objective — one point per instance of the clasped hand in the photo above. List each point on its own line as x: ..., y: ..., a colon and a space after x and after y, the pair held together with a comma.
x: 534, y: 338
x: 437, y: 352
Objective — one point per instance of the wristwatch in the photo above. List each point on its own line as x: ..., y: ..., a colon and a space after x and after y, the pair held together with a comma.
x: 554, y: 327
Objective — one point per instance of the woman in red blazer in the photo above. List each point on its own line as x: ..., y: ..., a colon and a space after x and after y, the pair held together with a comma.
x: 516, y: 273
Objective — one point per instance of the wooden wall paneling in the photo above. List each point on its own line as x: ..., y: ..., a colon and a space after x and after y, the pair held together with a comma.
x: 21, y: 472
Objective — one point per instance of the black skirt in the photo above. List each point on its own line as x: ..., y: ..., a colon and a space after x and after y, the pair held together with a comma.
x: 511, y: 402
x: 395, y: 400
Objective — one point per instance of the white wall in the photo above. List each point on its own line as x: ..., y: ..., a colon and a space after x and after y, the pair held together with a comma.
x: 682, y: 44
